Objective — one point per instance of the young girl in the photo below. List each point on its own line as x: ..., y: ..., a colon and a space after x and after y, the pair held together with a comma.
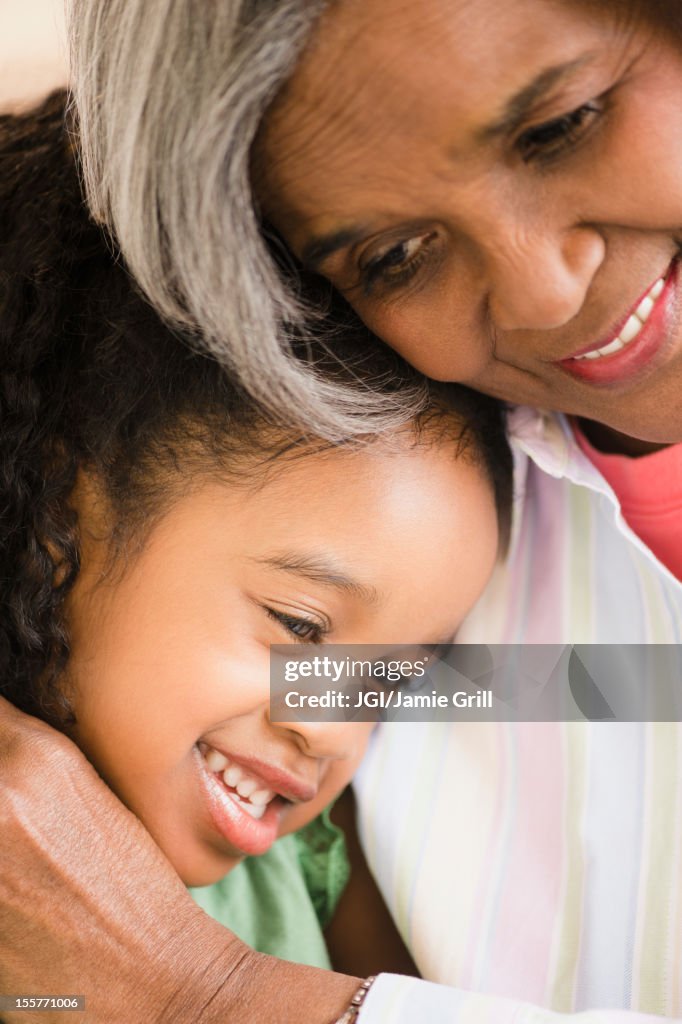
x: 158, y: 534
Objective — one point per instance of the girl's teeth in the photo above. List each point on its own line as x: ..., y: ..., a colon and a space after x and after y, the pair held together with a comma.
x: 261, y: 797
x: 232, y: 776
x: 248, y: 795
x: 216, y: 761
x: 632, y: 327
x: 253, y: 810
x: 246, y: 787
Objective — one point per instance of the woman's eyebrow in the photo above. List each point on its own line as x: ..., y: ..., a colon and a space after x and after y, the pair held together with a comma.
x: 320, y: 570
x: 320, y: 247
x: 518, y: 107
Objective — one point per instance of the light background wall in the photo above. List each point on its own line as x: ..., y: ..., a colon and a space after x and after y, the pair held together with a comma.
x: 33, y: 57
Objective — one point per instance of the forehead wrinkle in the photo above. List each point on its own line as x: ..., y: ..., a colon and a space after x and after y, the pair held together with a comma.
x: 324, y: 99
x: 357, y: 23
x: 327, y: 139
x: 303, y: 128
x: 334, y: 107
x: 337, y: 146
x: 347, y: 76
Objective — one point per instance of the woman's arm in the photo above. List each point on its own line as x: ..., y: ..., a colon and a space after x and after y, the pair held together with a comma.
x: 90, y: 906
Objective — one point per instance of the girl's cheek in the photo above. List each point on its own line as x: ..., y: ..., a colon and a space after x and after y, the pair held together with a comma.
x: 338, y: 775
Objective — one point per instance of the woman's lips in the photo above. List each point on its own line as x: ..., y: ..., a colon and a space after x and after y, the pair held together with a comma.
x: 621, y: 363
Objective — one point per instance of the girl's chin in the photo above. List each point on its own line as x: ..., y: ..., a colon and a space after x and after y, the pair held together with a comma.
x: 200, y: 865
x: 198, y: 876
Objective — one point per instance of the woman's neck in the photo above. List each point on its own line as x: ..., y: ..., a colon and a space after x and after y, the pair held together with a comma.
x: 612, y: 442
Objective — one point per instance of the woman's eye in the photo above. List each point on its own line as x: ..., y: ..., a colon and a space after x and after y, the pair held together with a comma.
x: 398, y: 264
x: 553, y: 137
x: 305, y: 630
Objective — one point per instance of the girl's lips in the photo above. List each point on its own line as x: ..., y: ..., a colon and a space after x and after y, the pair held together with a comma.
x: 624, y: 365
x: 292, y: 787
x: 247, y: 835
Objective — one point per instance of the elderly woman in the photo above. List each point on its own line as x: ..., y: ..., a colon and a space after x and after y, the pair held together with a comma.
x: 496, y: 190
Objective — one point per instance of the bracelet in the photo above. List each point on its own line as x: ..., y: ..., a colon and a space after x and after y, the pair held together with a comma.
x: 351, y: 1014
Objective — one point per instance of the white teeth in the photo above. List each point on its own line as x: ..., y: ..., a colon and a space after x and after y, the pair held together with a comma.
x: 261, y: 797
x: 632, y: 327
x: 644, y: 309
x: 255, y: 812
x: 245, y: 787
x: 615, y: 345
x: 250, y: 793
x: 216, y: 761
x: 232, y: 776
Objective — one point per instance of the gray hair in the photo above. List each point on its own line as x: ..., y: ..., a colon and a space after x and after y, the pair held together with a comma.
x: 169, y: 96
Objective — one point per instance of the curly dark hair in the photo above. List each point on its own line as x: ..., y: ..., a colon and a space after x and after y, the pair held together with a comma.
x: 91, y: 379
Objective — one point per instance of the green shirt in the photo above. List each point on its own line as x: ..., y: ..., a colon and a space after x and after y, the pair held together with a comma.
x: 281, y: 902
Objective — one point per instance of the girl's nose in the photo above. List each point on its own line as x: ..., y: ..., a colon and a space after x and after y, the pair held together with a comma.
x: 538, y: 279
x: 327, y: 740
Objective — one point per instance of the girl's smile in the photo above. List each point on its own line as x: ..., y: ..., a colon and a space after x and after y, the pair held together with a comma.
x: 169, y: 668
x: 496, y: 190
x: 242, y: 806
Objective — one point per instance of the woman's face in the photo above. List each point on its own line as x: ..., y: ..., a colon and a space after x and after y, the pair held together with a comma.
x: 169, y: 672
x: 497, y: 190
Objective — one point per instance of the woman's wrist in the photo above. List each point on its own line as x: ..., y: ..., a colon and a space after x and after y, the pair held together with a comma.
x: 239, y: 986
x: 352, y: 1013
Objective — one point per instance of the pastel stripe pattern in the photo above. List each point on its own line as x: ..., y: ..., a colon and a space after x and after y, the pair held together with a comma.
x: 535, y: 870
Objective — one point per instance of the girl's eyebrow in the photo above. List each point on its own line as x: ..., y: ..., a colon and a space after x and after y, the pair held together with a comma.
x: 517, y: 108
x: 320, y: 570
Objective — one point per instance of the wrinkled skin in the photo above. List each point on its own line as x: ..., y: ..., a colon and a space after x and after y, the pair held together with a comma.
x: 494, y: 188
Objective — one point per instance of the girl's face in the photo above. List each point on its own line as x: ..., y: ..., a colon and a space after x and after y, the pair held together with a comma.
x: 169, y: 673
x: 497, y: 190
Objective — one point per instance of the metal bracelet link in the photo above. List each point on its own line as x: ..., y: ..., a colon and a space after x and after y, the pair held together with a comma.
x: 351, y: 1014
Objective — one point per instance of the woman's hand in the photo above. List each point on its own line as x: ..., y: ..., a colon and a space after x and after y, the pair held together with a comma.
x: 90, y: 906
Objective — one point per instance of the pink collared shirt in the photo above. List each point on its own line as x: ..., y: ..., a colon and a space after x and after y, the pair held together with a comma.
x: 649, y: 489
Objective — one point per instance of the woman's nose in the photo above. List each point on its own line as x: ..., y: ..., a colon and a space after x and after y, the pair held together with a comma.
x: 539, y: 280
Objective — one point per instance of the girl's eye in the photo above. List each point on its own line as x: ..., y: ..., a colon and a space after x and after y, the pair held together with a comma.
x: 305, y: 630
x: 553, y: 137
x: 397, y: 265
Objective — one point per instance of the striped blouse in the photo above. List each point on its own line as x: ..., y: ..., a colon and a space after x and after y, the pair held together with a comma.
x: 536, y: 869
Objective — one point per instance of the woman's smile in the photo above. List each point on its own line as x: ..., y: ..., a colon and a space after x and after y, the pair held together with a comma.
x: 496, y: 191
x: 633, y: 346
